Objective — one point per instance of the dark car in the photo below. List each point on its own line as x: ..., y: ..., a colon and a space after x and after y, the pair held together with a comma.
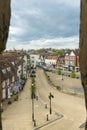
x: 33, y: 73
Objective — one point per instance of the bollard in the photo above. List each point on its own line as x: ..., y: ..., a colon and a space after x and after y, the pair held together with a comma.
x: 34, y: 123
x: 37, y: 98
x: 46, y: 106
x: 47, y: 117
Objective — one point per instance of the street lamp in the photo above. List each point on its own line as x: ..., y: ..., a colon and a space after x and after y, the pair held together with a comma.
x: 50, y: 96
x: 62, y: 80
x: 62, y: 76
x: 32, y: 96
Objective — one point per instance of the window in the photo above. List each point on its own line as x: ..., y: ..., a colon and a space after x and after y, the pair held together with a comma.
x: 7, y: 81
x: 4, y: 71
x: 3, y: 84
x: 9, y: 69
x: 12, y: 63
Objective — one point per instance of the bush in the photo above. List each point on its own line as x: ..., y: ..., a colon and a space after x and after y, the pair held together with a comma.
x: 33, y: 88
x: 58, y: 87
x: 33, y: 80
x: 16, y: 98
x: 59, y: 71
x: 73, y: 74
x: 9, y: 102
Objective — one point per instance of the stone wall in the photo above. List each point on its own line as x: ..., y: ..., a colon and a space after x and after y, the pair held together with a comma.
x: 83, y: 48
x: 5, y: 15
x: 83, y: 37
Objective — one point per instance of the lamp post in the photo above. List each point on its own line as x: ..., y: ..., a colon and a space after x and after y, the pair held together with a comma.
x: 32, y: 96
x: 62, y: 80
x: 50, y: 96
x: 62, y: 76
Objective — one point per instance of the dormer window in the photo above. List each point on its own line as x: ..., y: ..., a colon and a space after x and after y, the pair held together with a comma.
x: 4, y: 71
x: 12, y: 63
x: 67, y: 54
x: 9, y: 69
x: 32, y: 61
x: 3, y: 84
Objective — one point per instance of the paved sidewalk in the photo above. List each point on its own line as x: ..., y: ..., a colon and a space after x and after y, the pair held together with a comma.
x: 43, y: 117
x: 18, y: 115
x: 67, y: 85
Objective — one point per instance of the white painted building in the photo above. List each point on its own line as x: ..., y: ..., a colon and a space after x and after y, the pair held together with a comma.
x: 8, y: 89
x: 6, y: 85
x: 3, y: 90
x: 51, y: 60
x: 34, y: 59
x: 25, y: 66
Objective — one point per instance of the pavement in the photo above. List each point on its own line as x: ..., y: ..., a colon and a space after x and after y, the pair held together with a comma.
x: 68, y: 85
x: 18, y: 115
x: 72, y: 107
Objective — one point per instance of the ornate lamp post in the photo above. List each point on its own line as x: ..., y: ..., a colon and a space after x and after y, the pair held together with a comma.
x: 33, y: 89
x: 50, y: 96
x: 32, y: 96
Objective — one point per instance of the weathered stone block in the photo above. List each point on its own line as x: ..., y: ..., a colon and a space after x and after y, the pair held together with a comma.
x: 5, y: 14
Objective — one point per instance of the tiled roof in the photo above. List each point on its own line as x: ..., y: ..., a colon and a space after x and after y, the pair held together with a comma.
x: 6, y: 60
x: 52, y: 57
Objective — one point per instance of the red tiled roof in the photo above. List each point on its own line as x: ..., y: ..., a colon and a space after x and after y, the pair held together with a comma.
x: 52, y: 57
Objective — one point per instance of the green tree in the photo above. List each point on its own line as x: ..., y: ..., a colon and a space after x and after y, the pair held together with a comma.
x: 73, y: 74
x: 59, y: 71
x: 58, y: 52
x: 33, y: 88
x: 33, y: 80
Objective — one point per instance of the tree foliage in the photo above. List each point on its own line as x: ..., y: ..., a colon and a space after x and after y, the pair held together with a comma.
x: 73, y: 74
x: 59, y: 71
x: 58, y: 52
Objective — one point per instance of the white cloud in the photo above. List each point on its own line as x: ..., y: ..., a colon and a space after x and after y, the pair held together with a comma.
x: 44, y: 23
x: 15, y: 31
x: 70, y: 42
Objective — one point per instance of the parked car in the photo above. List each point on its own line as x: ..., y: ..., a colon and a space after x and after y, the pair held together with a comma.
x: 33, y: 73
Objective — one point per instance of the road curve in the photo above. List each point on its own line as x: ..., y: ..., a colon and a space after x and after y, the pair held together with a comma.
x: 73, y: 108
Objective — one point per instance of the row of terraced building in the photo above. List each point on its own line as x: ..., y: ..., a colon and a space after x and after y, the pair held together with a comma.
x: 13, y: 72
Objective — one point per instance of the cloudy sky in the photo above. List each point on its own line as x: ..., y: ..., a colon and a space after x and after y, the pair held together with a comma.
x: 44, y: 24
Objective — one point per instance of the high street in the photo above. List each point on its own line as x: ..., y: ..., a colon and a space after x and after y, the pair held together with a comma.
x: 73, y: 108
x: 18, y: 115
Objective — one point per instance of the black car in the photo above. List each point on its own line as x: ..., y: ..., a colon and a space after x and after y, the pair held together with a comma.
x: 33, y: 73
